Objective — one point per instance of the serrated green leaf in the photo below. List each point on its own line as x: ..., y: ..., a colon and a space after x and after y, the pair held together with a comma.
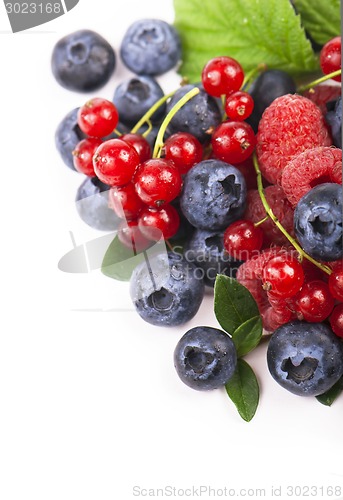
x: 247, y: 336
x: 119, y: 261
x: 243, y: 390
x: 332, y: 394
x: 321, y: 19
x: 233, y: 303
x: 251, y: 31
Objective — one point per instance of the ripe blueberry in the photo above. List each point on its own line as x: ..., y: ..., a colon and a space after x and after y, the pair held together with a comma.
x: 83, y: 61
x: 318, y: 222
x: 166, y: 290
x: 205, y: 358
x: 150, y: 47
x: 214, y: 195
x: 305, y: 358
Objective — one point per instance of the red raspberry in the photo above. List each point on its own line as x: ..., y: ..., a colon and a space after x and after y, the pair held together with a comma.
x: 290, y: 125
x: 322, y: 94
x: 307, y: 169
x: 281, y: 209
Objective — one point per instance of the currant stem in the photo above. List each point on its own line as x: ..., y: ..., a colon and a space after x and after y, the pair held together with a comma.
x: 270, y: 214
x: 159, y: 139
x: 148, y: 130
x: 151, y: 111
x: 308, y: 86
x: 249, y: 77
x: 256, y: 224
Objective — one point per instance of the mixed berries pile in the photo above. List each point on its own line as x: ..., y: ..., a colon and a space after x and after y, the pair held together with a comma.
x: 244, y: 170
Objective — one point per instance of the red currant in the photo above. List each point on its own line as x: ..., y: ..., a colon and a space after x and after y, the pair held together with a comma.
x: 330, y: 57
x: 239, y: 105
x: 283, y: 275
x: 157, y: 181
x: 98, y: 117
x: 83, y: 155
x: 336, y: 283
x: 314, y: 301
x: 242, y: 239
x: 233, y: 141
x: 115, y: 162
x: 184, y: 150
x: 157, y: 222
x: 131, y: 236
x: 222, y: 75
x: 336, y: 320
x: 125, y: 201
x: 140, y: 144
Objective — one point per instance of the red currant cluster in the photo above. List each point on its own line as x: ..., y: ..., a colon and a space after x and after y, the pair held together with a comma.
x: 233, y: 140
x: 142, y: 187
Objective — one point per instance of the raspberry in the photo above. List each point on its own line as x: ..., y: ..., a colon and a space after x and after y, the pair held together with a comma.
x: 281, y: 209
x: 307, y: 169
x: 322, y: 94
x: 290, y: 125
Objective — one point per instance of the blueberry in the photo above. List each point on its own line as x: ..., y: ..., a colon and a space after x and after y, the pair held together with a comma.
x: 334, y: 119
x: 185, y: 230
x: 150, y: 47
x: 205, y: 358
x: 213, y: 195
x: 268, y: 86
x: 165, y: 290
x: 199, y: 116
x: 83, y: 61
x: 206, y: 250
x: 135, y: 96
x: 67, y: 136
x: 92, y: 205
x: 318, y: 222
x: 305, y: 358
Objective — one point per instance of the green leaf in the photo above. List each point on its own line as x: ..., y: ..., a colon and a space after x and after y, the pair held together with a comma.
x: 251, y: 31
x: 320, y: 18
x: 243, y: 390
x: 329, y: 396
x: 247, y: 336
x: 119, y: 261
x: 233, y: 303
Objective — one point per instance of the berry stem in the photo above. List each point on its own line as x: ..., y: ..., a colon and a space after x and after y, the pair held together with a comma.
x: 148, y: 130
x: 256, y: 224
x: 270, y: 214
x: 250, y: 77
x: 151, y: 111
x: 308, y: 86
x: 159, y: 139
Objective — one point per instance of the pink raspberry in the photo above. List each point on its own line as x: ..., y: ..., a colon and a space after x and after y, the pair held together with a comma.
x: 322, y: 94
x: 290, y: 125
x: 281, y: 208
x: 309, y: 168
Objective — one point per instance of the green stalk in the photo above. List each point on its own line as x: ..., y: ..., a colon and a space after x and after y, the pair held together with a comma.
x: 159, y: 139
x: 151, y: 111
x: 324, y: 78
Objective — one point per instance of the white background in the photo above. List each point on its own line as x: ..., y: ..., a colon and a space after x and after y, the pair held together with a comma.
x: 90, y: 404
